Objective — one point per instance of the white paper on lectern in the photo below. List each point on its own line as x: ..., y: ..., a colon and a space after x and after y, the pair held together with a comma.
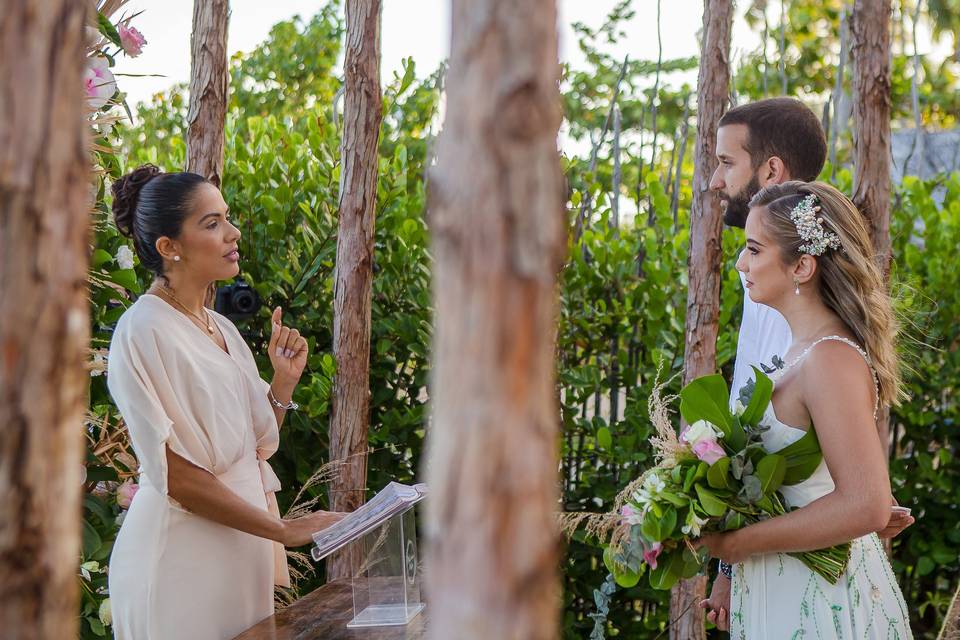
x: 392, y: 500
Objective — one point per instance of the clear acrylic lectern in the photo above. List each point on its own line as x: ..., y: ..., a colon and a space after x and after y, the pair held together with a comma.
x: 381, y: 539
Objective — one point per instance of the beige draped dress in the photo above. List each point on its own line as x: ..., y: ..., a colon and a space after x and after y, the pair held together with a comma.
x: 175, y: 575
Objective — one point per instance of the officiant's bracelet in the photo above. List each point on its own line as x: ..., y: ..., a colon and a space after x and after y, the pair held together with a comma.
x: 289, y: 406
x: 726, y: 569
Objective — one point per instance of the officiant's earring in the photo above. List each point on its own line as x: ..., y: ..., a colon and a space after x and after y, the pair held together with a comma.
x: 797, y: 284
x: 177, y: 259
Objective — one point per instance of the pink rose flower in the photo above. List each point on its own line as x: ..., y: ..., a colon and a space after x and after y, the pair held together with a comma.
x: 650, y: 555
x: 99, y: 82
x: 708, y: 451
x: 125, y: 493
x: 132, y: 40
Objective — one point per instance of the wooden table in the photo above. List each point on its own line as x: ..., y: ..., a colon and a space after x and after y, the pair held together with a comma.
x: 323, y: 615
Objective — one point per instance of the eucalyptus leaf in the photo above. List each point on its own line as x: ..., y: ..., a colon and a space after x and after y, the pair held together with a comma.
x: 759, y: 398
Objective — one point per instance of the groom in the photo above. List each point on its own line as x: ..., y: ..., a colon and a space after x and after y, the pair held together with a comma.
x: 759, y: 144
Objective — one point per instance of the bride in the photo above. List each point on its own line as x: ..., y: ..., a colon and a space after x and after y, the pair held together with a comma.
x: 809, y: 256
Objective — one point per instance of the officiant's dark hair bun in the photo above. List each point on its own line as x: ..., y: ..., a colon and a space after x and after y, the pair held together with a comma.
x: 149, y: 204
x: 785, y: 128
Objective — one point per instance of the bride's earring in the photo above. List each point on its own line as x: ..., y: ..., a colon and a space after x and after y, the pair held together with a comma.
x: 797, y: 284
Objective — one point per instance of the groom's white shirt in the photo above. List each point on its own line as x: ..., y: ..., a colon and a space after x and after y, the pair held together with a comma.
x: 764, y: 333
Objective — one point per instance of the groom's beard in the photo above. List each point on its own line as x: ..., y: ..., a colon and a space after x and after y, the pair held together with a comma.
x: 738, y: 206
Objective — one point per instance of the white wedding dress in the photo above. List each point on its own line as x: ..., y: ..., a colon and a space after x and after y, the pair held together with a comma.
x: 776, y: 597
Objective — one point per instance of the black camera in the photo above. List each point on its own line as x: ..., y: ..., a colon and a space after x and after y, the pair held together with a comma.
x: 237, y: 301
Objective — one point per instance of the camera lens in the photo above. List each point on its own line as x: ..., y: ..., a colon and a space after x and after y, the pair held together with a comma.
x: 244, y: 301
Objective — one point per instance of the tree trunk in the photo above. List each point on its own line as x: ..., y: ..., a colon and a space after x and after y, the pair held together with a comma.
x: 704, y: 261
x: 951, y: 622
x: 499, y: 236
x: 208, y: 89
x: 350, y: 408
x: 870, y: 47
x: 44, y: 319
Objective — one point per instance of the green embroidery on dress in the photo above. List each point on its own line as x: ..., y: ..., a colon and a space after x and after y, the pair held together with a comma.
x: 836, y: 609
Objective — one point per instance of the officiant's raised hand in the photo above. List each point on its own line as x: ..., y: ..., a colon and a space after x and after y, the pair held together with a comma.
x: 287, y: 350
x: 299, y: 531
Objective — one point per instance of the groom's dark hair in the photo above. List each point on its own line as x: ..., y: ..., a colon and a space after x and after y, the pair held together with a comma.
x: 782, y: 127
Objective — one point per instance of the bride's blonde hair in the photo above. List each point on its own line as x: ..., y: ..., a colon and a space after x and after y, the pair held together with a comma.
x: 850, y: 280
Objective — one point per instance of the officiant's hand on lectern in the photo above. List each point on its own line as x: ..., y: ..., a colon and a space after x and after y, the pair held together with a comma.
x: 299, y: 531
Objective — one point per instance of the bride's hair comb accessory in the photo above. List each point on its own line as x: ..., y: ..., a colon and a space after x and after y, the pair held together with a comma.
x: 810, y: 228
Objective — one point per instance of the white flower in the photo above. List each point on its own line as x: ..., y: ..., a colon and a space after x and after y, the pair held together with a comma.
x: 106, y: 613
x: 693, y: 525
x: 654, y: 484
x: 700, y: 430
x: 641, y: 497
x: 87, y: 567
x: 125, y: 257
x: 99, y: 82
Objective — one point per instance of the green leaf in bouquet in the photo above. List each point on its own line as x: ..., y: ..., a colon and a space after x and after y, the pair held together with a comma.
x: 707, y: 398
x: 668, y: 570
x: 738, y: 436
x: 624, y: 575
x: 717, y: 474
x: 740, y: 466
x: 803, y: 457
x: 676, y: 474
x: 673, y: 498
x: 656, y: 528
x: 736, y: 467
x: 702, y: 469
x: 733, y: 521
x: 711, y: 504
x: 771, y: 470
x: 690, y: 478
x: 759, y: 398
x: 752, y: 490
x: 691, y: 563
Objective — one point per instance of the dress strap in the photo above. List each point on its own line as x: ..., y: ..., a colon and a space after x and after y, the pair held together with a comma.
x: 860, y: 350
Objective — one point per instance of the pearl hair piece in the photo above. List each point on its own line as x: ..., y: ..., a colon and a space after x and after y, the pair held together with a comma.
x: 810, y: 228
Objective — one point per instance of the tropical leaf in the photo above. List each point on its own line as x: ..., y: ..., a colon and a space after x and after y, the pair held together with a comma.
x: 802, y: 457
x: 706, y: 398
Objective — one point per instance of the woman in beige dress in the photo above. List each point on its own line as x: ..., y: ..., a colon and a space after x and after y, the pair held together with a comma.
x: 202, y: 545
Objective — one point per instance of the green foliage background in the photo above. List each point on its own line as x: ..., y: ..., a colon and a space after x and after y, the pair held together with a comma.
x: 623, y: 289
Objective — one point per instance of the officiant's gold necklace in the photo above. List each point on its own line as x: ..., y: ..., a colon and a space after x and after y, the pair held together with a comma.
x: 205, y: 322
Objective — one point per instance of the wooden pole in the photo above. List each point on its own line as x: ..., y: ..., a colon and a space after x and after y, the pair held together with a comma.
x: 208, y: 89
x: 499, y: 236
x: 44, y: 315
x: 870, y: 47
x: 705, y: 259
x: 350, y: 406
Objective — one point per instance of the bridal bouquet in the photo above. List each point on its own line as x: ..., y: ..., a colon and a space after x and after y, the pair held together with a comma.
x: 716, y: 476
